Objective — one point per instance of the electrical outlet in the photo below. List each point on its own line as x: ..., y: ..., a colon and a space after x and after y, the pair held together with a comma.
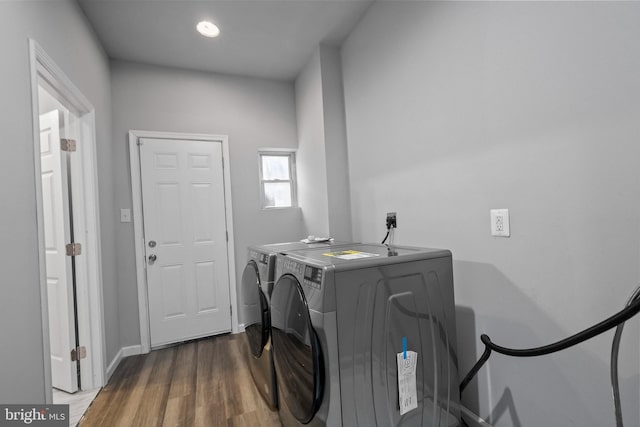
x: 391, y: 220
x: 500, y: 222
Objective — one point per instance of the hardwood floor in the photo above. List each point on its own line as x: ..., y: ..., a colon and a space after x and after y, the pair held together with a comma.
x: 199, y: 383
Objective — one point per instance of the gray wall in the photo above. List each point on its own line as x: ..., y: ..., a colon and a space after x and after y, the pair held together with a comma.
x: 254, y: 113
x: 322, y: 152
x: 60, y: 28
x: 456, y: 108
x: 335, y: 141
x: 311, y: 158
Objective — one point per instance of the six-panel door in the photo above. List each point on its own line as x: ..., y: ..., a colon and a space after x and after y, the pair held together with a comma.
x: 185, y: 239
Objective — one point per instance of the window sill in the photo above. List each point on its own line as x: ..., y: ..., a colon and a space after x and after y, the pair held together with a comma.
x: 281, y: 208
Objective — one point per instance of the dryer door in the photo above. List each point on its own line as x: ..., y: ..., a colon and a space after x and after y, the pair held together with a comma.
x: 297, y: 352
x: 256, y: 309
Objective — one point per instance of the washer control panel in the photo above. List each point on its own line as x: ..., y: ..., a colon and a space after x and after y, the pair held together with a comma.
x: 293, y: 267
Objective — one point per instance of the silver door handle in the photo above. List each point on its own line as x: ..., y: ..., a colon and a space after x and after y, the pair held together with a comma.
x: 152, y: 258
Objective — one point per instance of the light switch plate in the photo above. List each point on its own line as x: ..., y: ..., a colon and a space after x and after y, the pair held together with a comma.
x: 125, y: 215
x: 500, y: 222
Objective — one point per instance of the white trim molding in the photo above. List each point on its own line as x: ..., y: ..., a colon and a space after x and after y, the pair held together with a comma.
x: 113, y: 365
x: 89, y: 290
x: 290, y: 154
x: 136, y: 191
x: 131, y: 350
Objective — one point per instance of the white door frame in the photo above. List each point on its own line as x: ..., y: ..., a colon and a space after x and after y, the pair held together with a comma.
x: 136, y: 191
x: 89, y: 265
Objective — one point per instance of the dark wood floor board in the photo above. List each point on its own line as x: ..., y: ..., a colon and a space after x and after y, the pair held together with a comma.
x: 182, y: 392
x: 117, y: 394
x: 183, y: 381
x: 201, y: 383
x: 251, y: 399
x: 205, y: 372
x: 246, y: 419
x: 226, y: 378
x: 154, y: 399
x: 210, y: 415
x: 133, y: 395
x: 231, y: 395
x: 180, y: 411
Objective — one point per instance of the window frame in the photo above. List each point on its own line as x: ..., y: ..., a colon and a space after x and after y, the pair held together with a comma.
x: 291, y: 156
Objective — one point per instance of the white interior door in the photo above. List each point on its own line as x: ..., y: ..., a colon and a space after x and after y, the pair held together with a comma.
x: 57, y: 229
x: 185, y: 239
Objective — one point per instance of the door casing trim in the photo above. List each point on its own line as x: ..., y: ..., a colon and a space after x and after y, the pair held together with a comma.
x: 136, y: 192
x: 90, y: 310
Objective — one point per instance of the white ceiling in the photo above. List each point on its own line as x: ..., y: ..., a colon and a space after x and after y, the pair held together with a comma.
x: 261, y: 38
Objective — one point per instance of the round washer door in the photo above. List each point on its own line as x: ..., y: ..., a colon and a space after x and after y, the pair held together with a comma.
x: 256, y: 309
x: 297, y: 352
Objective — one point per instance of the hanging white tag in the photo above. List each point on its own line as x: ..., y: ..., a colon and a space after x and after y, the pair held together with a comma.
x: 407, y: 395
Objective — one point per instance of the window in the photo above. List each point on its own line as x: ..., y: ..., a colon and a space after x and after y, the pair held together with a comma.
x: 277, y: 179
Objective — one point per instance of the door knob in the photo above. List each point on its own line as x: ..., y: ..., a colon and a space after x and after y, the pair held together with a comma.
x: 152, y: 258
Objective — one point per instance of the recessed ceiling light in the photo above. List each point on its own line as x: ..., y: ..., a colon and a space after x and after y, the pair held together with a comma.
x: 208, y: 29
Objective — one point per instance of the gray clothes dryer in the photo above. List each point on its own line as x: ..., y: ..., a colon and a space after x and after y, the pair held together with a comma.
x: 255, y: 291
x: 338, y: 322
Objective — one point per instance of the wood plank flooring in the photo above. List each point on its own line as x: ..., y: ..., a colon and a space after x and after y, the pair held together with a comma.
x: 198, y: 383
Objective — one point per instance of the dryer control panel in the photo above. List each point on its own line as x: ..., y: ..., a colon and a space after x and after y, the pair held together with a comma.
x: 313, y: 276
x: 260, y: 257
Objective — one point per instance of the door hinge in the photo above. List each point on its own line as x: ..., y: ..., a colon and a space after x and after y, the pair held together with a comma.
x: 68, y: 145
x: 78, y: 353
x: 74, y: 249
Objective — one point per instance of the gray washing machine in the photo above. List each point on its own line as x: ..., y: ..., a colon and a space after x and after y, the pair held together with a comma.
x: 341, y: 320
x: 256, y: 287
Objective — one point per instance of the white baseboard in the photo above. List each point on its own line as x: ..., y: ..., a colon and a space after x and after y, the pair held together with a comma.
x: 240, y: 328
x: 131, y: 350
x: 113, y: 365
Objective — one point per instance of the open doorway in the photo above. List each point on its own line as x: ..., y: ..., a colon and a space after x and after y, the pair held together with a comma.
x: 68, y: 231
